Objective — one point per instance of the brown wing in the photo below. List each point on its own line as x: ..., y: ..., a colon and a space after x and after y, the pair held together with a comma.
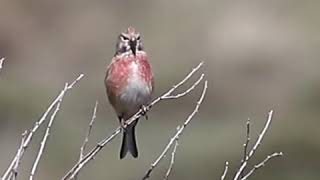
x: 147, y: 70
x: 116, y: 79
x: 110, y: 83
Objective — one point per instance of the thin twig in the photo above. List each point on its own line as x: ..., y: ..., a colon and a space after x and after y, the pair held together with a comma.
x: 246, y: 156
x: 45, y: 138
x: 178, y: 133
x: 14, y: 173
x: 86, y: 139
x: 1, y: 62
x: 187, y: 91
x: 245, y: 145
x: 261, y: 164
x: 166, y: 177
x: 255, y: 147
x: 37, y: 124
x: 226, y: 167
x: 91, y: 154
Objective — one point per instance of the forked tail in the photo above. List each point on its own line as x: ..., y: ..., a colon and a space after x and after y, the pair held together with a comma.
x: 129, y: 142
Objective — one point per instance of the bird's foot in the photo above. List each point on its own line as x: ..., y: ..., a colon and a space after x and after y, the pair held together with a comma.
x: 123, y: 125
x: 144, y: 111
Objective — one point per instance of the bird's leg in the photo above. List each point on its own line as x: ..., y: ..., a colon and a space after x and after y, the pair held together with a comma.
x: 144, y: 111
x: 122, y: 123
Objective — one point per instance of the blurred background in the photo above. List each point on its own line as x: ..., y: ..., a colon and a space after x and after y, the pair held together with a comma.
x: 259, y: 55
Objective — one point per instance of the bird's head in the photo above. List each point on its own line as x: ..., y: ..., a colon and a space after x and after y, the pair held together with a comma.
x: 129, y: 42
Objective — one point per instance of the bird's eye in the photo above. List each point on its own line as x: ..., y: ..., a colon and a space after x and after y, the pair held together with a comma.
x: 124, y: 38
x: 138, y: 38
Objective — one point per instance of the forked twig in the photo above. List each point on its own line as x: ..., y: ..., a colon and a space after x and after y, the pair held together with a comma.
x: 255, y: 147
x: 35, y: 127
x: 248, y: 155
x: 172, y: 160
x: 91, y: 154
x: 261, y: 164
x: 45, y: 138
x: 178, y: 133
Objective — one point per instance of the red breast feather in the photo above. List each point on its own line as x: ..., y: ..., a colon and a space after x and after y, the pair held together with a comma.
x: 129, y: 83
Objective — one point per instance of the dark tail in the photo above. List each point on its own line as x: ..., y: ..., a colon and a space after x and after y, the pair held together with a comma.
x: 129, y: 142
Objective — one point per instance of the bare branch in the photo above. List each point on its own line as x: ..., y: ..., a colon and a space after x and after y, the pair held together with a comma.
x: 13, y: 175
x: 91, y: 154
x: 183, y: 80
x: 245, y: 146
x: 247, y: 157
x: 226, y: 167
x: 178, y: 133
x: 37, y: 124
x: 83, y: 147
x: 187, y: 91
x: 261, y: 164
x: 172, y: 159
x: 86, y: 139
x: 258, y: 142
x: 1, y: 62
x: 45, y: 138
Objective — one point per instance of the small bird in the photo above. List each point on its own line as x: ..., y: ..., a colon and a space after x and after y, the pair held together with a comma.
x: 129, y: 84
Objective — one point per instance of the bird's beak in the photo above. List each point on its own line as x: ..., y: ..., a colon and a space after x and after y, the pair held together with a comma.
x: 133, y: 44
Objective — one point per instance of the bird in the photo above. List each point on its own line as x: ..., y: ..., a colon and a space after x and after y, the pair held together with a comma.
x: 129, y: 84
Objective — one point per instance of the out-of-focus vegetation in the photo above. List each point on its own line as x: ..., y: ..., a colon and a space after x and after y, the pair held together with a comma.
x: 259, y: 55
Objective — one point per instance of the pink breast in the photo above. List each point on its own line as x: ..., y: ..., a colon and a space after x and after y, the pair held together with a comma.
x: 121, y: 70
